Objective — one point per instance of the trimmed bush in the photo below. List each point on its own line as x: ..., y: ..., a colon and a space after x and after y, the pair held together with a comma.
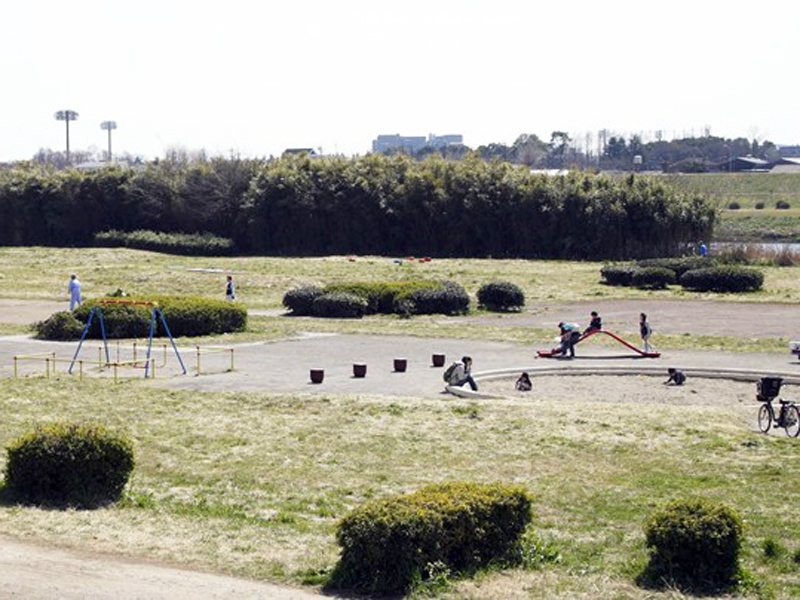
x: 339, y: 305
x: 68, y: 465
x: 618, y: 274
x: 383, y: 297
x: 734, y: 206
x: 387, y: 544
x: 185, y: 316
x: 448, y: 299
x: 759, y: 206
x: 723, y: 279
x: 301, y: 300
x: 190, y: 244
x: 656, y: 278
x: 695, y: 544
x: 782, y: 205
x: 679, y: 265
x: 60, y: 326
x: 501, y: 296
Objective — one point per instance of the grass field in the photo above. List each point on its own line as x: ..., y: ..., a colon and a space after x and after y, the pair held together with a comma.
x: 749, y: 225
x: 745, y: 188
x: 253, y: 484
x: 42, y: 274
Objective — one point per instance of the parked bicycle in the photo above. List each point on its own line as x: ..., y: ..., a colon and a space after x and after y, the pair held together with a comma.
x: 789, y: 415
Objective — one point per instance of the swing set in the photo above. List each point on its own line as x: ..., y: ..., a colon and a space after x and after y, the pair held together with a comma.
x: 155, y: 315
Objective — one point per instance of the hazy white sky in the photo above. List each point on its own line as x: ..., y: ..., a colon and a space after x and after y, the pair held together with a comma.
x: 255, y: 77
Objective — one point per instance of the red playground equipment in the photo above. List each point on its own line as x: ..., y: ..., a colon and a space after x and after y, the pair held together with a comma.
x: 551, y: 354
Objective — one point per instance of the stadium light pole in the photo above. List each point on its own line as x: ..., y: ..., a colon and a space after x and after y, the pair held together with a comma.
x: 67, y: 115
x: 109, y: 126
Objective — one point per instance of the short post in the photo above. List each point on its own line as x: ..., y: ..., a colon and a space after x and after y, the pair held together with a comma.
x: 359, y: 370
x: 100, y: 357
x: 198, y: 359
x: 317, y: 375
x: 134, y: 350
x: 153, y: 366
x: 231, y: 351
x: 80, y: 370
x: 400, y: 365
x: 15, y: 367
x: 115, y: 372
x: 47, y: 367
x: 117, y: 350
x: 438, y: 360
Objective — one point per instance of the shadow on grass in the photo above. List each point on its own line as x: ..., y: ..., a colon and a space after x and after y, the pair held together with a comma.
x: 654, y: 577
x: 8, y: 497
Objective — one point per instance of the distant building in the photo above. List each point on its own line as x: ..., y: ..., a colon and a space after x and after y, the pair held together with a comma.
x: 744, y: 163
x: 789, y: 151
x: 298, y: 151
x: 412, y: 144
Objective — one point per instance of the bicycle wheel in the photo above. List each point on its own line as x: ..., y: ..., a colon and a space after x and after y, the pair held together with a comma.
x: 791, y: 421
x: 765, y: 417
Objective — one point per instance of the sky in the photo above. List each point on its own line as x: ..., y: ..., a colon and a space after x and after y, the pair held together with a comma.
x: 252, y: 78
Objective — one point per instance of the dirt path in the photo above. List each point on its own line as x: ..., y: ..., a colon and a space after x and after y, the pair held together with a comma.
x: 34, y: 572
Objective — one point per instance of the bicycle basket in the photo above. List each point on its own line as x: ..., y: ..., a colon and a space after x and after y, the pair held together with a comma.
x: 769, y: 388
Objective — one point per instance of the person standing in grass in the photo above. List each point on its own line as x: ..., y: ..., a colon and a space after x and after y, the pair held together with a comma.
x: 645, y: 331
x: 74, y: 290
x: 230, y: 289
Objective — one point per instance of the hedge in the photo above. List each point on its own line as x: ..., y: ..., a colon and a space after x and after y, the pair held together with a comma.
x: 618, y: 274
x: 387, y: 544
x: 403, y: 297
x: 60, y: 326
x: 191, y: 244
x: 339, y: 305
x: 185, y: 316
x: 501, y: 296
x: 656, y: 278
x: 68, y: 465
x: 679, y: 265
x: 694, y: 544
x: 723, y: 279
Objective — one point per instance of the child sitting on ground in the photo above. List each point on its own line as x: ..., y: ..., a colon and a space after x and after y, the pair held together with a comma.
x: 524, y: 383
x: 675, y: 376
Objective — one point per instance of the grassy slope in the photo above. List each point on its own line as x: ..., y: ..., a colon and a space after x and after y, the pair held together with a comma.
x: 253, y: 484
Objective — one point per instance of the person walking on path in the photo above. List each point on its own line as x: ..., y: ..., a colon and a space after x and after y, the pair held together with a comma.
x: 74, y: 290
x: 645, y: 331
x: 230, y: 289
x: 462, y: 373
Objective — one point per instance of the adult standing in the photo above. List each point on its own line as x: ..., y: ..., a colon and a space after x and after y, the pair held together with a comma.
x: 230, y: 289
x: 74, y: 289
x: 703, y: 249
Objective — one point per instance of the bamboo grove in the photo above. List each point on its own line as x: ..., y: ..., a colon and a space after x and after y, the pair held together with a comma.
x: 371, y: 205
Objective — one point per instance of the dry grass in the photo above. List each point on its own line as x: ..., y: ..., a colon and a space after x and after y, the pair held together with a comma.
x: 253, y: 484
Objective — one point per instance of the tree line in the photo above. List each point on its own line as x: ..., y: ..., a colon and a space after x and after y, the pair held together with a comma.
x: 377, y: 204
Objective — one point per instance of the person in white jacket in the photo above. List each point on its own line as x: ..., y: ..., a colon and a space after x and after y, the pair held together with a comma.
x: 462, y: 373
x: 74, y: 291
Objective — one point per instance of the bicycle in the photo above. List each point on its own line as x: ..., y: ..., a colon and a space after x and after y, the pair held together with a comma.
x: 789, y: 415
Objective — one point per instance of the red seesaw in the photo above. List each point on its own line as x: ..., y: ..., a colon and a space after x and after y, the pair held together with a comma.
x: 550, y: 353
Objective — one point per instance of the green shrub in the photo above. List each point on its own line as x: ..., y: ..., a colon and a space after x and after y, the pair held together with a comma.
x: 657, y: 278
x: 618, y: 274
x: 448, y: 299
x: 185, y: 316
x: 339, y: 305
x: 387, y: 544
x: 501, y: 296
x: 728, y: 278
x: 734, y: 206
x: 191, y: 244
x: 383, y: 297
x: 782, y: 205
x: 679, y: 264
x: 68, y: 465
x: 695, y: 544
x: 301, y: 300
x: 60, y: 326
x: 759, y: 206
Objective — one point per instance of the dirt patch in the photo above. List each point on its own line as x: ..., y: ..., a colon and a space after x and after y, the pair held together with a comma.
x: 26, y: 312
x: 632, y: 389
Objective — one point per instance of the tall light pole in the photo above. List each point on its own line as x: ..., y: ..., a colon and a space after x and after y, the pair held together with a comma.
x: 109, y: 126
x: 67, y: 115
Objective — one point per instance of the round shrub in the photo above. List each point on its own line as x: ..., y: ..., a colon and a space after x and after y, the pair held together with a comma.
x: 301, y: 300
x: 387, y: 544
x: 383, y: 296
x: 447, y: 299
x: 618, y: 274
x: 678, y: 264
x: 759, y: 206
x: 68, y: 465
x: 782, y: 205
x: 501, y: 296
x: 60, y: 326
x: 728, y: 278
x: 656, y: 278
x: 734, y: 206
x: 694, y: 543
x: 339, y: 305
x: 185, y: 316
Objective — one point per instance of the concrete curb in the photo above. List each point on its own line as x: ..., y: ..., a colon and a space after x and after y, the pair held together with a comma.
x: 572, y: 371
